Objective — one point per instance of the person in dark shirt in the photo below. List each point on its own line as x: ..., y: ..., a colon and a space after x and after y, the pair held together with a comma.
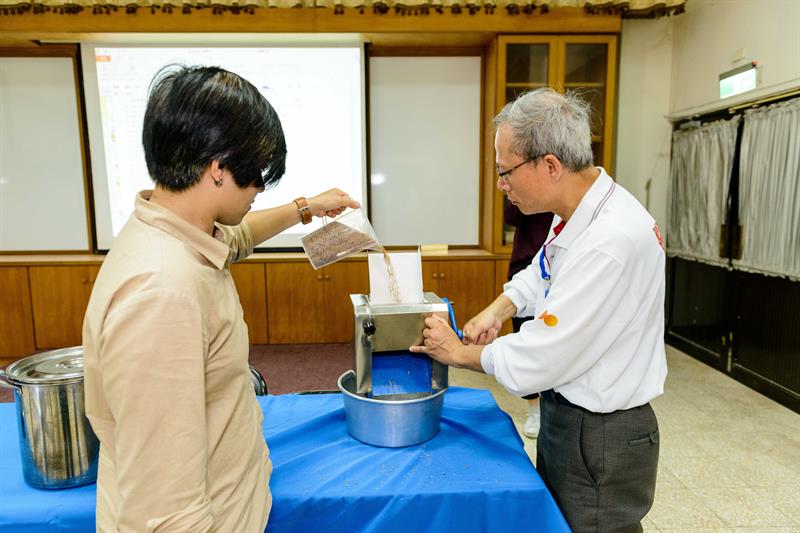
x: 529, y: 236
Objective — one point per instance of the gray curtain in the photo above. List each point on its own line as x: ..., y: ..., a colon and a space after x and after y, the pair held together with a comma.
x: 769, y: 198
x: 702, y: 160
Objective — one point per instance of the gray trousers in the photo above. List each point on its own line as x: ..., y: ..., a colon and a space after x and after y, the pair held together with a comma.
x: 600, y: 468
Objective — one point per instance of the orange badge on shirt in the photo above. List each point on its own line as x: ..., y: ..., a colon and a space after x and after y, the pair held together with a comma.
x: 548, y: 319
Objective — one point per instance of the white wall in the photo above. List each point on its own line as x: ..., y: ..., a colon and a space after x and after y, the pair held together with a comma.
x: 670, y: 67
x: 712, y: 33
x: 643, y: 131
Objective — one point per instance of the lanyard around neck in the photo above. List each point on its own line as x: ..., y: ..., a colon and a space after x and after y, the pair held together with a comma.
x: 546, y: 278
x: 543, y: 257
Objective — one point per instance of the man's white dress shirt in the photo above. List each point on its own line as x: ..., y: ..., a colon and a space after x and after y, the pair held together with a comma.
x: 598, y: 336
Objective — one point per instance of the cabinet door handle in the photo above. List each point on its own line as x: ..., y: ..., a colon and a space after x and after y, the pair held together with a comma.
x: 435, y: 275
x: 319, y: 277
x: 84, y: 280
x: 441, y: 275
x: 328, y: 278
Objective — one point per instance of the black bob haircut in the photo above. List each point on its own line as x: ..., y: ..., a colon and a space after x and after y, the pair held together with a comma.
x: 197, y: 114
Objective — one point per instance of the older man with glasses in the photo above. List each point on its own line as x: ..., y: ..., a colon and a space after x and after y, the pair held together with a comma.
x: 595, y: 350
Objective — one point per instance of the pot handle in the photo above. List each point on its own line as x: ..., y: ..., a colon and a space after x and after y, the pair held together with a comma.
x: 4, y: 381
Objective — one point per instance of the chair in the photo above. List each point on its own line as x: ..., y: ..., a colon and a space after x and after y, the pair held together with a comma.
x: 259, y: 384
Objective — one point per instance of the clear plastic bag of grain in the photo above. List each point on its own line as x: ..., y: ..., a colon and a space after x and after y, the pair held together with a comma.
x: 343, y: 236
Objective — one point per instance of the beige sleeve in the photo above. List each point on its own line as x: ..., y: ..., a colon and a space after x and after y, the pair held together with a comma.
x: 152, y: 357
x: 239, y: 239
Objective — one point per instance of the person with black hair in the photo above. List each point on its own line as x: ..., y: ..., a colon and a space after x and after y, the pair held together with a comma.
x: 167, y: 381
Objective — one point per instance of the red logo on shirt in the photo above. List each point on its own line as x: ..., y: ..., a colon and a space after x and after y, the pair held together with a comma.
x: 658, y: 236
x: 548, y: 319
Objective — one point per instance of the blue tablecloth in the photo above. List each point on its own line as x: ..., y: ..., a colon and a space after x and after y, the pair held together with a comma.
x: 473, y: 476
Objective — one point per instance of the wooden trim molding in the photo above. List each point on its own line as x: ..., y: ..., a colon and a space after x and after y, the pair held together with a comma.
x: 53, y: 50
x: 425, y: 51
x: 48, y: 23
x: 624, y: 8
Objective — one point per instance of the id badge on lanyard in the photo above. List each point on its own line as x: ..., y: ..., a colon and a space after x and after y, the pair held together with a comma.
x: 544, y: 273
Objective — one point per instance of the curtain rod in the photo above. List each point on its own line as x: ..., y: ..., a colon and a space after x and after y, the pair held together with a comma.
x: 765, y: 100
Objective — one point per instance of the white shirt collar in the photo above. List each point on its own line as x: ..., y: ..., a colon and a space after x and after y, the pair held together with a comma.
x: 588, y: 209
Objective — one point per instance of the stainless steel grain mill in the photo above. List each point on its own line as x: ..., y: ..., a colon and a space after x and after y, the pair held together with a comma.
x: 390, y: 329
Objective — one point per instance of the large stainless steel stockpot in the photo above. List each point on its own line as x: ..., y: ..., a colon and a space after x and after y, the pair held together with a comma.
x: 56, y: 443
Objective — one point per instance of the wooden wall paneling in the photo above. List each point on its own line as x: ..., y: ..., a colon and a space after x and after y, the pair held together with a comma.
x: 16, y: 315
x: 500, y: 277
x: 469, y: 285
x: 296, y: 303
x: 341, y: 280
x: 59, y: 295
x: 250, y: 283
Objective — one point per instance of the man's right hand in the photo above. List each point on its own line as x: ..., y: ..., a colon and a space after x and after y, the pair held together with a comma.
x: 483, y: 328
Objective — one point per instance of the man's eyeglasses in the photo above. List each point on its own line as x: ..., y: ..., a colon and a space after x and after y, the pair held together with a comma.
x: 506, y: 174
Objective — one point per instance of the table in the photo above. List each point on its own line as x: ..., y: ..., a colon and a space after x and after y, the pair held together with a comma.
x: 474, y: 476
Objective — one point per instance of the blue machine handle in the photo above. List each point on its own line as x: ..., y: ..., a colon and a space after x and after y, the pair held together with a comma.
x: 453, y: 319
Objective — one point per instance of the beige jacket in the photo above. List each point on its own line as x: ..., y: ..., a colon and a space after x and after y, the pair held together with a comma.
x: 168, y: 388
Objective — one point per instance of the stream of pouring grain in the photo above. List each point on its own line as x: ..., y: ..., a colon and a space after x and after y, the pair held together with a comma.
x: 394, y: 288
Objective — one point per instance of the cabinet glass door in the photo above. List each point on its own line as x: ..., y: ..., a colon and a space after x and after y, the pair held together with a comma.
x: 585, y: 72
x: 582, y: 63
x: 527, y: 66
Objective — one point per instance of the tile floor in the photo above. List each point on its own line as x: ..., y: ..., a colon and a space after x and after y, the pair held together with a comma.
x: 730, y: 457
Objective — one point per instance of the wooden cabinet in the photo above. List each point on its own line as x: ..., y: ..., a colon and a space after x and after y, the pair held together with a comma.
x: 59, y: 295
x: 283, y: 303
x: 587, y: 64
x: 582, y: 63
x: 341, y: 280
x: 308, y: 306
x: 296, y: 303
x: 469, y: 285
x: 16, y: 316
x: 250, y: 283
